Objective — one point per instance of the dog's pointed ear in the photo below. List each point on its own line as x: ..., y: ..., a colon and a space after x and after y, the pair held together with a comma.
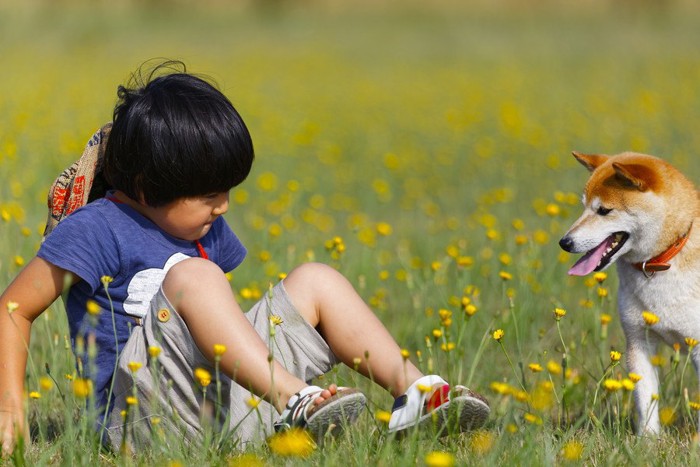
x: 590, y: 161
x: 633, y: 175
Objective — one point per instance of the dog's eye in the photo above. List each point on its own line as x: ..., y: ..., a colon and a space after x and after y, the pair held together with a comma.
x: 603, y: 211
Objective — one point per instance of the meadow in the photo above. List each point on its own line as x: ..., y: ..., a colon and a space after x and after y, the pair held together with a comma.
x: 423, y: 151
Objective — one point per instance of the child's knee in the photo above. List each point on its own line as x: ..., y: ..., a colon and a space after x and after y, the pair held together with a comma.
x: 190, y: 276
x: 312, y: 273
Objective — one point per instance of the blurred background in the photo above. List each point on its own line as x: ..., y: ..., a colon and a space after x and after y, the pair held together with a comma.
x: 427, y: 135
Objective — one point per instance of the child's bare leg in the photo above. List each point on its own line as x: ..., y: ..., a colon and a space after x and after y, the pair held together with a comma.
x: 202, y: 296
x: 330, y: 303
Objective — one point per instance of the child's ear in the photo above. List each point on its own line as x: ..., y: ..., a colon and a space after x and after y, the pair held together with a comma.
x: 590, y: 161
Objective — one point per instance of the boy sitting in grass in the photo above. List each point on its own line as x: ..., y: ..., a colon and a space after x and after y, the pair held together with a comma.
x: 151, y: 312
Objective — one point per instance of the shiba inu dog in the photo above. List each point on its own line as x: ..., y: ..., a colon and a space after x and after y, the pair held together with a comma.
x: 642, y: 214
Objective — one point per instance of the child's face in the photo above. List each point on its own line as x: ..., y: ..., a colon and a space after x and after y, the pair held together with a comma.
x: 189, y: 218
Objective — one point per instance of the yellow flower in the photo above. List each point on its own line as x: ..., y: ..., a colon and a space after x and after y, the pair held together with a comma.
x: 424, y: 388
x: 605, y: 319
x: 202, y: 376
x: 276, y: 320
x: 82, y: 388
x: 501, y: 388
x: 650, y: 318
x: 532, y: 419
x: 405, y: 354
x: 470, y: 309
x: 465, y: 261
x: 134, y: 366
x: 541, y: 237
x: 219, y: 350
x: 384, y: 229
x: 498, y: 334
x: 253, y: 402
x: 106, y: 280
x: 552, y: 209
x: 600, y: 277
x: 520, y: 396
x: 12, y: 307
x: 45, y: 383
x: 131, y: 400
x: 383, y: 416
x: 628, y: 384
x: 521, y: 239
x: 92, y: 307
x: 634, y: 377
x: 554, y: 368
x: 694, y: 405
x: 612, y: 385
x: 506, y: 276
x: 505, y: 259
x: 294, y: 442
x: 658, y: 360
x: 482, y: 441
x: 154, y: 351
x: 439, y: 459
x: 444, y: 314
x: 34, y: 395
x: 690, y: 342
x: 615, y: 356
x: 602, y: 292
x: 667, y: 415
x: 19, y: 261
x: 572, y: 450
x: 559, y: 313
x: 447, y: 347
x: 535, y: 367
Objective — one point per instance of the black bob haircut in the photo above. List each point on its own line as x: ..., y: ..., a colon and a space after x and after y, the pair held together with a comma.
x: 175, y: 136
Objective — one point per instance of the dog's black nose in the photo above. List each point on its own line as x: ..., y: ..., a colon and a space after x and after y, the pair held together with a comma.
x: 566, y: 244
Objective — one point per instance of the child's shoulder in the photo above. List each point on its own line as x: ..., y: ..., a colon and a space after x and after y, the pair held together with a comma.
x: 97, y: 218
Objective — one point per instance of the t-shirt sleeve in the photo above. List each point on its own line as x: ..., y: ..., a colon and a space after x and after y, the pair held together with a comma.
x: 83, y: 244
x: 230, y: 251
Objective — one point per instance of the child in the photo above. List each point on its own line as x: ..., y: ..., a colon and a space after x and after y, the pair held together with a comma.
x: 154, y: 250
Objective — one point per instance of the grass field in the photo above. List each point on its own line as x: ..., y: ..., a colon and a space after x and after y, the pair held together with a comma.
x: 435, y: 142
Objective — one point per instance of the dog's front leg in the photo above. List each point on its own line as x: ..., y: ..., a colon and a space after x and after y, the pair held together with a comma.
x: 639, y: 353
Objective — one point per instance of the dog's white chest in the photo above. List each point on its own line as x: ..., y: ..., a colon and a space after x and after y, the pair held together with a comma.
x: 670, y: 295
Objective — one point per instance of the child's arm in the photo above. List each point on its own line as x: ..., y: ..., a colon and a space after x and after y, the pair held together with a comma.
x: 32, y: 291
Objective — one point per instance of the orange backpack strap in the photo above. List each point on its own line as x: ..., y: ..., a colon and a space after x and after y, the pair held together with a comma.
x: 80, y: 183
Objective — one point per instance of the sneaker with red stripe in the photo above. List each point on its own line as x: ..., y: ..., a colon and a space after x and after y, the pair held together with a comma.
x: 430, y: 402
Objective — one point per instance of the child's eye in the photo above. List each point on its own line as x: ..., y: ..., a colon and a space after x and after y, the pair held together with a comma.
x: 603, y: 211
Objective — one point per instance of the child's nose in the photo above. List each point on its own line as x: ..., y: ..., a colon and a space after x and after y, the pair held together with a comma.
x: 222, y: 205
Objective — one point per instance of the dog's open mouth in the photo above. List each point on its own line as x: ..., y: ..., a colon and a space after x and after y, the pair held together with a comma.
x: 599, y: 257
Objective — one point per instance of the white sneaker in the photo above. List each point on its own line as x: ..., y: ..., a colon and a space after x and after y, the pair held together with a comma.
x: 430, y: 401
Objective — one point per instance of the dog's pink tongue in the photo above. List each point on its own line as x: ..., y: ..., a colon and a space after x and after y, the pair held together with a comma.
x: 590, y: 260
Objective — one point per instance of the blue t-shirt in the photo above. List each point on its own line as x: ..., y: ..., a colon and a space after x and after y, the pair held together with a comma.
x: 108, y: 238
